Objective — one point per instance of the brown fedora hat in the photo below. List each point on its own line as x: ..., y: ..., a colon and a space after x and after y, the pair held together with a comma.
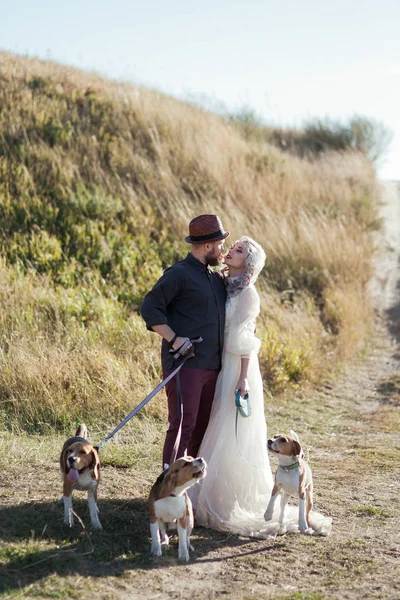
x: 205, y: 228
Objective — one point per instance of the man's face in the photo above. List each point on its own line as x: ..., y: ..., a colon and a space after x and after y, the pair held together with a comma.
x: 214, y: 252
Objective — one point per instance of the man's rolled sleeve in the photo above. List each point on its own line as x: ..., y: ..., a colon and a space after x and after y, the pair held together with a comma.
x: 154, y: 307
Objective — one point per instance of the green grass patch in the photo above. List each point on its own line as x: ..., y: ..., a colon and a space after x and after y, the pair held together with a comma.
x: 371, y: 511
x: 120, y: 458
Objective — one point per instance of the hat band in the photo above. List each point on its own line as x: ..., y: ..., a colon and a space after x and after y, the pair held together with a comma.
x: 205, y: 238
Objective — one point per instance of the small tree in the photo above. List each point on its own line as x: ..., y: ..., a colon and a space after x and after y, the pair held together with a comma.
x: 371, y: 137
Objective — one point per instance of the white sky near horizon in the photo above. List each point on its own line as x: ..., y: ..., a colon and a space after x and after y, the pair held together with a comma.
x: 289, y: 61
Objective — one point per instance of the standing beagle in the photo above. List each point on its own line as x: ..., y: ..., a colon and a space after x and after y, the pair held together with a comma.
x: 80, y: 470
x: 169, y: 502
x: 293, y: 478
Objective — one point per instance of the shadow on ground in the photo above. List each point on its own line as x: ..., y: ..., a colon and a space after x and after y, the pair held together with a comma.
x: 35, y: 544
x: 389, y: 392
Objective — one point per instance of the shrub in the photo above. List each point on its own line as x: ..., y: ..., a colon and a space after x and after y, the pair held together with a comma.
x: 366, y: 135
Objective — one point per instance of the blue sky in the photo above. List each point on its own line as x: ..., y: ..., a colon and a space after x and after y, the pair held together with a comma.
x: 288, y: 60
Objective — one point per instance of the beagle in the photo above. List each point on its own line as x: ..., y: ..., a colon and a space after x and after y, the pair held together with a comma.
x: 293, y: 478
x: 169, y: 502
x: 80, y: 470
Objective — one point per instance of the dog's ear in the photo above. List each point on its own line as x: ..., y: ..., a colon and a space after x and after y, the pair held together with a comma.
x: 294, y: 436
x: 63, y: 462
x: 95, y: 463
x: 296, y: 448
x: 168, y: 485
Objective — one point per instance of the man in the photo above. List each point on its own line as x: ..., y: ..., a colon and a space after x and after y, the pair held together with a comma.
x: 188, y: 302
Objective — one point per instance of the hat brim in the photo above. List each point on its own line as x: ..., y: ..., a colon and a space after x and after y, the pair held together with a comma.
x: 189, y: 240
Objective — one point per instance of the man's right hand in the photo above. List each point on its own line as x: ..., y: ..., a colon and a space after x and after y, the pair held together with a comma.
x: 178, y: 343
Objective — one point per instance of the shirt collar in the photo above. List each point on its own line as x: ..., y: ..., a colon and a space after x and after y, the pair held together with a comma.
x: 196, y: 263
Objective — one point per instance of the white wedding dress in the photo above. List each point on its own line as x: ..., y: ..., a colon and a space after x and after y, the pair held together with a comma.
x: 235, y: 493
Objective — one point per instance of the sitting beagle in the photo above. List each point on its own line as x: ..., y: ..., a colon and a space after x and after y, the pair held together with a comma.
x: 80, y: 470
x: 293, y: 478
x: 169, y: 502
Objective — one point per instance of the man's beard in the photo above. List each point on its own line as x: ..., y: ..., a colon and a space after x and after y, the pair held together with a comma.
x: 212, y: 261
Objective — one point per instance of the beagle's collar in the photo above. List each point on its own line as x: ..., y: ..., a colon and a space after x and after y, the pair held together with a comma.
x: 290, y: 467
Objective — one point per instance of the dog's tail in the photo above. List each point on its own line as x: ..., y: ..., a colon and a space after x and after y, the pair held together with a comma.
x: 82, y: 431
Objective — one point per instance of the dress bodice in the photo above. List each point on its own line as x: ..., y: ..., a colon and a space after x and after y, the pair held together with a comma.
x: 230, y: 308
x: 241, y: 313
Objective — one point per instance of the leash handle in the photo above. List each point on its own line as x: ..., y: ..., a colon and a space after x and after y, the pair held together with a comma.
x: 243, y: 404
x: 178, y: 353
x: 238, y: 397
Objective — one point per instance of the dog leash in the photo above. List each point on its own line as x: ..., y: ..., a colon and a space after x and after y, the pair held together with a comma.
x: 175, y: 449
x: 174, y: 452
x: 177, y: 354
x: 243, y: 407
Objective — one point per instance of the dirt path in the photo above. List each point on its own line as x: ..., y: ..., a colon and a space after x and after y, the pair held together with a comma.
x: 351, y: 429
x: 354, y: 445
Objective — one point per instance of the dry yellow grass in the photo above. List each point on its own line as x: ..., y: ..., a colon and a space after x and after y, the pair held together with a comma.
x: 145, y: 164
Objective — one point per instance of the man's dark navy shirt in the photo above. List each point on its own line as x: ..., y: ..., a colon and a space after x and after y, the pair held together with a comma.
x: 190, y: 298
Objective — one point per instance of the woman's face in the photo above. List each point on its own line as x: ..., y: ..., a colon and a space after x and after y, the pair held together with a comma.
x: 236, y: 256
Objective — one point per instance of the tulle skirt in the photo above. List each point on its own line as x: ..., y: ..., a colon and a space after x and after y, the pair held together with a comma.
x: 235, y: 493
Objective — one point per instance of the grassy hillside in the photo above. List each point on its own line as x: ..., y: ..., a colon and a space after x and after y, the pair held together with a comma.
x: 98, y: 181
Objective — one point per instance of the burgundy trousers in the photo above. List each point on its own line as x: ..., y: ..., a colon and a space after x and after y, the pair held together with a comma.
x: 198, y: 387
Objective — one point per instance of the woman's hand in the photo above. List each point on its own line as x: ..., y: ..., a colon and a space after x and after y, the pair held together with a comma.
x: 243, y: 386
x: 225, y: 271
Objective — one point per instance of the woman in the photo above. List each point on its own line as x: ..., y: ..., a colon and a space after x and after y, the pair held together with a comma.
x: 234, y: 495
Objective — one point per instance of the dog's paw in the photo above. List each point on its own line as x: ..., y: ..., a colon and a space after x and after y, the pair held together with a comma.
x: 282, y: 529
x: 69, y: 522
x: 307, y: 531
x: 183, y: 555
x: 97, y: 525
x: 303, y: 527
x: 165, y: 540
x: 156, y: 550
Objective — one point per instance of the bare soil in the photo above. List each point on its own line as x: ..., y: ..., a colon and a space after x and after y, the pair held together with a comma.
x: 350, y: 426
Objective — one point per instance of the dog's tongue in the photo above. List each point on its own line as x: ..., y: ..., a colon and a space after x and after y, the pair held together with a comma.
x: 73, y: 475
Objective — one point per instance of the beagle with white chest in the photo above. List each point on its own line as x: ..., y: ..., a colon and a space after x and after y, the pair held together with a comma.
x: 169, y: 503
x: 80, y: 470
x: 293, y: 478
